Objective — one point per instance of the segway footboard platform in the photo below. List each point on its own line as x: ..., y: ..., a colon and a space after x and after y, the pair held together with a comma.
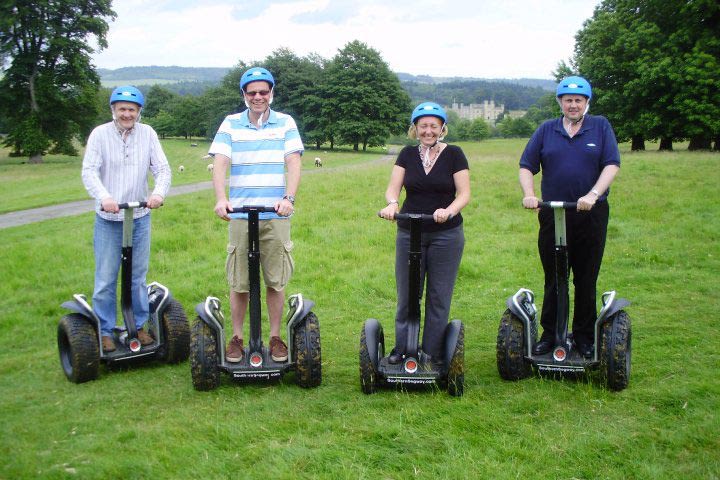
x: 411, y: 371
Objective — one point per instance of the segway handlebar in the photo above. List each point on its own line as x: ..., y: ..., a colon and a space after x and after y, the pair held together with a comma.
x: 421, y: 216
x: 123, y: 206
x: 252, y: 208
x: 565, y: 205
x: 408, y: 216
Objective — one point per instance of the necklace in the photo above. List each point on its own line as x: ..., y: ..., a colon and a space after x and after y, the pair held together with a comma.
x: 424, y: 152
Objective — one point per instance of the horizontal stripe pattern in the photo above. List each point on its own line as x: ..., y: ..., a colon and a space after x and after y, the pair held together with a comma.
x: 257, y: 158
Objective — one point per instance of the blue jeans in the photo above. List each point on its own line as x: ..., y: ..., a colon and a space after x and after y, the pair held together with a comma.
x: 108, y: 253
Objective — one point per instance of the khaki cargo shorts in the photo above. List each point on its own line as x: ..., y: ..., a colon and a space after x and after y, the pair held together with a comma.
x: 276, y: 260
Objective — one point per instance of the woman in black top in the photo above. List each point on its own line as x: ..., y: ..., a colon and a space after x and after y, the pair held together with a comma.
x: 436, y: 179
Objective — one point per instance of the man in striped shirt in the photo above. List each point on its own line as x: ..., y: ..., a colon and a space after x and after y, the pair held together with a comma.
x: 115, y: 168
x: 258, y: 145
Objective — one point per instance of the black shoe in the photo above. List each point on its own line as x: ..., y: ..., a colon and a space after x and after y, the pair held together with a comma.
x: 543, y: 346
x: 585, y: 349
x: 394, y: 358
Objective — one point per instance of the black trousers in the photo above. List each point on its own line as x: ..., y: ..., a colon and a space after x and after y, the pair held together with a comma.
x: 441, y: 255
x: 586, y: 233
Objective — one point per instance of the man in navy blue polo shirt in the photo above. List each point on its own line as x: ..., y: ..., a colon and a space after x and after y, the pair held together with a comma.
x: 579, y: 158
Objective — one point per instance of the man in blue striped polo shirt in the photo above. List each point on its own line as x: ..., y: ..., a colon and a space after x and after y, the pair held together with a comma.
x: 258, y: 144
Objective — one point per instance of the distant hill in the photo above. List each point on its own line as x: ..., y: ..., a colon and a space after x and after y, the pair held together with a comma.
x: 163, y: 74
x: 515, y: 94
x: 181, y: 80
x: 548, y: 85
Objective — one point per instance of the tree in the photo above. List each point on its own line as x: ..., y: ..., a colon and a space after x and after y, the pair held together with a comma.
x: 157, y: 99
x: 216, y: 103
x: 298, y: 83
x: 47, y: 93
x: 363, y: 100
x: 479, y: 130
x: 654, y: 67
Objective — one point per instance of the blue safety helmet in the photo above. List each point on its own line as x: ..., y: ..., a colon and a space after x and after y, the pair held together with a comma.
x: 428, y: 109
x: 127, y: 93
x: 574, y: 85
x: 255, y: 74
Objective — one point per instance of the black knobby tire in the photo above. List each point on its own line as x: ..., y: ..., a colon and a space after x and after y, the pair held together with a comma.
x: 510, y: 352
x: 308, y: 372
x: 456, y: 369
x: 368, y: 374
x: 203, y: 357
x: 176, y: 347
x: 78, y: 347
x: 616, y: 351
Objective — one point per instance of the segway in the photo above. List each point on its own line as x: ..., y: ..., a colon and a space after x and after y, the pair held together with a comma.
x: 518, y: 329
x: 207, y: 344
x: 79, y: 335
x: 416, y: 368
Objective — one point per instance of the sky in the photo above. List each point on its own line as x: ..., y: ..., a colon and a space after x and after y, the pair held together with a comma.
x: 440, y: 38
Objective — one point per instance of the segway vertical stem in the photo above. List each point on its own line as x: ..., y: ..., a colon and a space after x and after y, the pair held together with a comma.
x: 126, y: 274
x: 254, y: 272
x: 561, y: 278
x: 414, y: 287
x: 562, y: 273
x: 255, y: 344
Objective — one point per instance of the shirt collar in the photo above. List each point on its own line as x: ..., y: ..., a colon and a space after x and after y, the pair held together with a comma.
x: 245, y: 118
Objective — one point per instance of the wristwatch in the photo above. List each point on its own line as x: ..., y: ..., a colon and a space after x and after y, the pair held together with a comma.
x: 289, y: 198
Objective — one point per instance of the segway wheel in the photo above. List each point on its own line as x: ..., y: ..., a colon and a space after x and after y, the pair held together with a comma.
x: 203, y: 357
x: 78, y: 347
x: 307, y: 347
x: 176, y: 347
x: 510, y: 355
x: 456, y: 369
x: 616, y: 350
x: 368, y: 373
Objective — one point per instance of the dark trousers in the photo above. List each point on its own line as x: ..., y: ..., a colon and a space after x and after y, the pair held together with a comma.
x: 441, y: 254
x: 586, y: 233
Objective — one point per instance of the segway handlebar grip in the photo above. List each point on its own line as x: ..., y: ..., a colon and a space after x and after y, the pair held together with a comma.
x: 565, y: 205
x: 423, y: 216
x: 252, y: 208
x: 124, y: 206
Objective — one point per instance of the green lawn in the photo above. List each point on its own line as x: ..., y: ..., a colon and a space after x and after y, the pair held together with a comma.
x: 663, y: 254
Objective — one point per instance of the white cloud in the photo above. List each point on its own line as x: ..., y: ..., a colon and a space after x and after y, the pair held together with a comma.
x: 488, y: 39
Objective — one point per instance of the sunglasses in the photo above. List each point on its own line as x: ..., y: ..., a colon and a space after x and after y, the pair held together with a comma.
x: 262, y: 93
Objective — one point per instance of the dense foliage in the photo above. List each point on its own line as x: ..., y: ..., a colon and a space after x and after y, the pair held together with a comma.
x: 654, y: 66
x: 48, y: 90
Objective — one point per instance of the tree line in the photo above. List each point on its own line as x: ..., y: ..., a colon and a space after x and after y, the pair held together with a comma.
x: 654, y: 66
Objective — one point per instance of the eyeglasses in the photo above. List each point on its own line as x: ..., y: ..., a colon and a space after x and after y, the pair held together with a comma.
x: 262, y: 93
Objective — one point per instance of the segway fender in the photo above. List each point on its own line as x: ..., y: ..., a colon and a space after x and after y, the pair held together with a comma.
x: 299, y: 307
x: 80, y: 305
x: 523, y: 307
x: 206, y: 312
x: 158, y: 297
x: 372, y: 327
x: 452, y: 332
x: 611, y: 305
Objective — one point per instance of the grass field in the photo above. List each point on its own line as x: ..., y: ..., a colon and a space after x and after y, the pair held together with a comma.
x: 663, y: 254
